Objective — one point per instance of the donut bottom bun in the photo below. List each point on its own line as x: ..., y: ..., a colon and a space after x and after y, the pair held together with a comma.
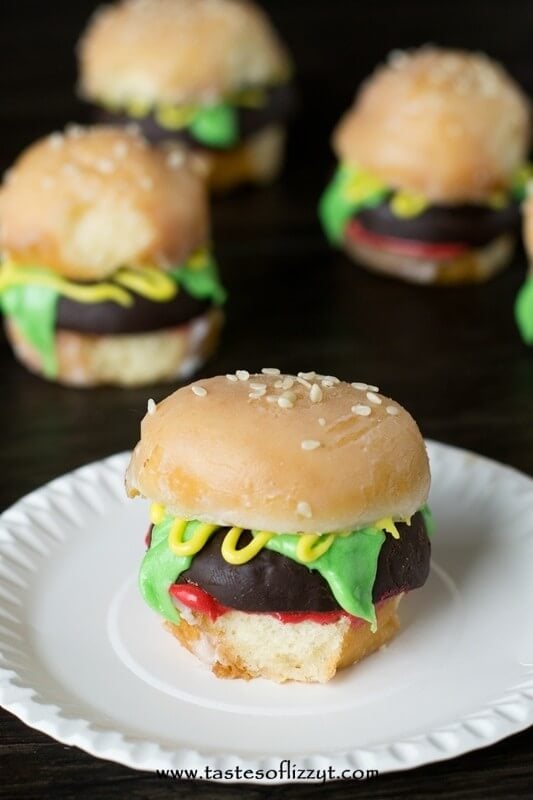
x: 258, y: 160
x: 244, y: 645
x: 476, y: 266
x: 140, y: 359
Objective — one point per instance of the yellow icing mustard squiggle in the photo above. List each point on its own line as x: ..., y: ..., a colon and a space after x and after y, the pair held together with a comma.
x: 243, y: 554
x: 406, y: 204
x: 310, y: 545
x: 147, y: 281
x: 174, y: 117
x: 157, y: 513
x: 13, y: 275
x: 313, y: 545
x: 387, y: 524
x: 195, y: 543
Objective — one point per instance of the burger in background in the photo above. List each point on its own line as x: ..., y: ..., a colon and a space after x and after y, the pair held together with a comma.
x: 210, y: 74
x: 106, y: 274
x: 432, y: 168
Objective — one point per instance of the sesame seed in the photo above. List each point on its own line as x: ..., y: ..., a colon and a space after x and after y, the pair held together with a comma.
x: 284, y: 402
x: 327, y: 384
x: 362, y: 411
x: 373, y: 398
x: 259, y: 387
x: 307, y: 376
x: 105, y: 166
x: 304, y: 382
x: 278, y: 385
x: 69, y: 169
x: 373, y: 388
x: 199, y: 391
x: 397, y: 58
x: 55, y: 140
x: 176, y: 159
x: 315, y: 394
x: 321, y: 421
x: 331, y: 378
x: 232, y: 378
x: 271, y: 371
x: 146, y: 183
x: 287, y: 382
x: 120, y: 149
x: 74, y: 131
x: 361, y: 386
x: 242, y: 374
x: 392, y: 410
x: 151, y: 406
x: 289, y: 395
x: 304, y: 509
x: 310, y: 444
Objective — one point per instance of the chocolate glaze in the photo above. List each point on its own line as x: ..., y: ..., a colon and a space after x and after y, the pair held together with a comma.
x: 465, y: 224
x: 144, y: 315
x: 272, y: 582
x: 403, y: 563
x: 278, y: 108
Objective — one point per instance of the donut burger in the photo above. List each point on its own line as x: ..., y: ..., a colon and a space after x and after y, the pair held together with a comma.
x: 106, y: 276
x: 288, y: 520
x: 210, y: 74
x: 432, y: 168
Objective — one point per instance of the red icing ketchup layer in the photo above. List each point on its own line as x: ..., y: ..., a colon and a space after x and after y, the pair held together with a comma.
x: 197, y: 600
x: 406, y: 247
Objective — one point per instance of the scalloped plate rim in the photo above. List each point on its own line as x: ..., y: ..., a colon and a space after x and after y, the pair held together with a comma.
x: 114, y: 746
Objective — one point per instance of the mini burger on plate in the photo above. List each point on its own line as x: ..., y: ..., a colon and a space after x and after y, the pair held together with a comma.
x: 288, y: 520
x: 524, y: 301
x: 211, y: 74
x: 105, y: 274
x: 432, y: 168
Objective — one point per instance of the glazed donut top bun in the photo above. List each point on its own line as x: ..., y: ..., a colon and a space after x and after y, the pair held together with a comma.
x: 91, y: 200
x: 450, y: 125
x: 175, y: 51
x: 317, y: 456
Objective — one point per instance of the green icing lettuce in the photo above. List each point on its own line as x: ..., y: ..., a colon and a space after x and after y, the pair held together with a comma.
x: 349, y: 567
x: 520, y: 181
x: 161, y: 567
x: 33, y: 308
x: 215, y: 126
x: 350, y: 191
x: 199, y: 277
x: 429, y: 521
x: 524, y: 311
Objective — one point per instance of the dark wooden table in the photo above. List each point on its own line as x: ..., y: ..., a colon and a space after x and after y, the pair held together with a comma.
x: 453, y: 357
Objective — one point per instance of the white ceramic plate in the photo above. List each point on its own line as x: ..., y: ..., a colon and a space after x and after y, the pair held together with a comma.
x: 84, y: 660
